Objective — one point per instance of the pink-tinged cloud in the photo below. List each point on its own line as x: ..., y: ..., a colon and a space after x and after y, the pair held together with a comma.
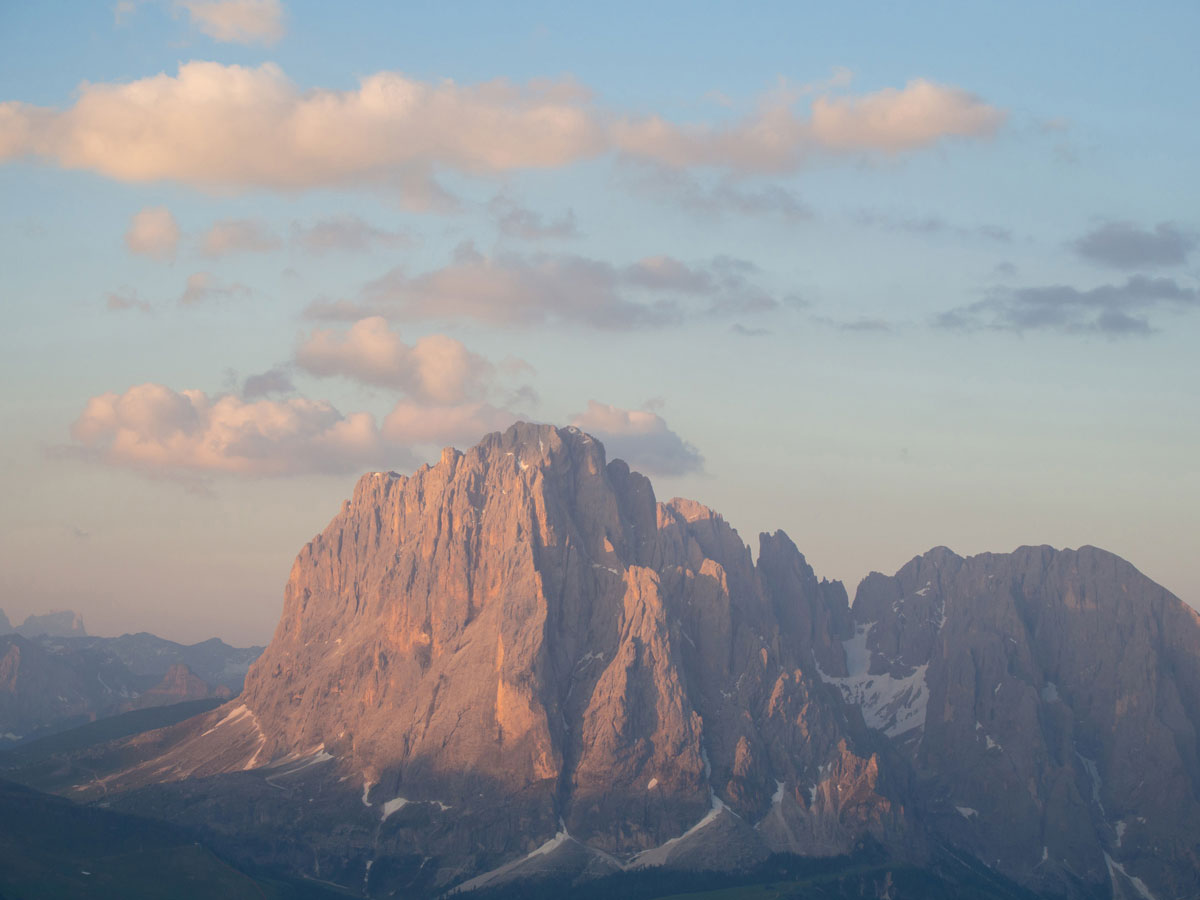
x: 237, y: 21
x: 641, y: 438
x: 153, y: 232
x: 232, y: 126
x: 893, y: 120
x: 160, y: 431
x: 202, y: 287
x: 435, y: 369
x: 219, y: 126
x: 460, y: 425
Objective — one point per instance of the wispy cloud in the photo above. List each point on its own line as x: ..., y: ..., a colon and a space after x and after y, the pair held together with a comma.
x: 1115, y: 310
x: 514, y: 220
x: 517, y: 290
x: 346, y: 234
x: 238, y: 236
x: 203, y: 287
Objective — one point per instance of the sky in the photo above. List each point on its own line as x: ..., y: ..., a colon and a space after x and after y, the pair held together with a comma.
x: 884, y: 276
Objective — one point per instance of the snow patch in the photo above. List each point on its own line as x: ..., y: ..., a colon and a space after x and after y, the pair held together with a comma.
x: 777, y: 797
x: 394, y: 805
x: 1050, y: 692
x: 967, y: 813
x: 367, y: 785
x: 234, y: 715
x: 889, y: 704
x: 1138, y: 885
x: 1121, y: 826
x: 1093, y: 772
x: 652, y: 784
x: 657, y: 856
x: 606, y: 568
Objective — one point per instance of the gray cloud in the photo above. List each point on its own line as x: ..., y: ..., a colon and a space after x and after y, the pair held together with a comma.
x: 514, y: 220
x: 272, y: 381
x: 1116, y: 310
x: 344, y: 234
x: 641, y: 438
x: 516, y: 290
x: 1124, y: 245
x: 120, y: 301
x: 203, y: 286
x: 716, y: 200
x: 238, y: 236
x: 931, y: 225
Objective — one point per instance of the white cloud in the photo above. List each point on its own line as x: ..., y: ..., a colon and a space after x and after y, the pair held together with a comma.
x: 220, y: 126
x: 157, y: 430
x: 641, y: 438
x: 435, y: 369
x: 237, y: 21
x: 152, y: 232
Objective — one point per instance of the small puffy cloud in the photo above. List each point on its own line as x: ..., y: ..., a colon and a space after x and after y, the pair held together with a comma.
x: 152, y: 232
x: 641, y: 438
x: 237, y: 21
x: 435, y: 369
x: 514, y: 220
x: 1124, y: 245
x: 202, y: 287
x: 344, y: 234
x: 160, y: 431
x: 272, y: 381
x: 511, y: 289
x: 228, y: 126
x: 238, y: 236
x: 1115, y: 310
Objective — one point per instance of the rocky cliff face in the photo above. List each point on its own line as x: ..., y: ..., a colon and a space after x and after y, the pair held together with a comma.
x: 517, y: 659
x: 523, y: 642
x: 1049, y: 703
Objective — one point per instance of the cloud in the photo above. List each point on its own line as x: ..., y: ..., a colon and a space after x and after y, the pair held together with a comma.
x: 740, y: 329
x: 514, y: 220
x: 237, y: 21
x: 1124, y: 245
x: 516, y: 290
x: 435, y: 369
x: 344, y: 234
x: 641, y: 438
x: 460, y: 424
x: 157, y: 430
x: 776, y: 138
x: 931, y: 225
x: 202, y: 287
x: 120, y: 301
x: 228, y: 126
x: 219, y: 126
x: 238, y: 236
x: 1115, y: 310
x: 715, y: 200
x: 163, y: 433
x: 152, y: 232
x: 272, y: 381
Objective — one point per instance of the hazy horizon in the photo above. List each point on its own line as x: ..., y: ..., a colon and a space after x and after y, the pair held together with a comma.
x: 882, y: 285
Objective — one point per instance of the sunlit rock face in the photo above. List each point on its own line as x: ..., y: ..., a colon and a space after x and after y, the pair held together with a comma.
x: 518, y: 661
x: 520, y: 641
x: 1049, y: 702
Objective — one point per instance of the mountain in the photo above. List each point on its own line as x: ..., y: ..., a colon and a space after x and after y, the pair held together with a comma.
x: 517, y: 664
x: 50, y: 683
x: 59, y: 623
x: 1048, y: 702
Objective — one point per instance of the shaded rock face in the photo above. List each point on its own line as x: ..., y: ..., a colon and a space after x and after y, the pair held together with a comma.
x: 523, y: 635
x: 1053, y: 723
x: 60, y: 623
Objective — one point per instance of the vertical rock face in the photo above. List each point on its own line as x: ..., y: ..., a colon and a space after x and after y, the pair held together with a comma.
x: 522, y: 641
x: 1049, y: 702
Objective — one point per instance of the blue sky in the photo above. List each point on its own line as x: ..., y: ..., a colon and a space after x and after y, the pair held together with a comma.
x: 885, y: 276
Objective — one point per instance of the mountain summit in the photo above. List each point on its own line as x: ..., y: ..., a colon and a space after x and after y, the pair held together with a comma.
x: 517, y: 660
